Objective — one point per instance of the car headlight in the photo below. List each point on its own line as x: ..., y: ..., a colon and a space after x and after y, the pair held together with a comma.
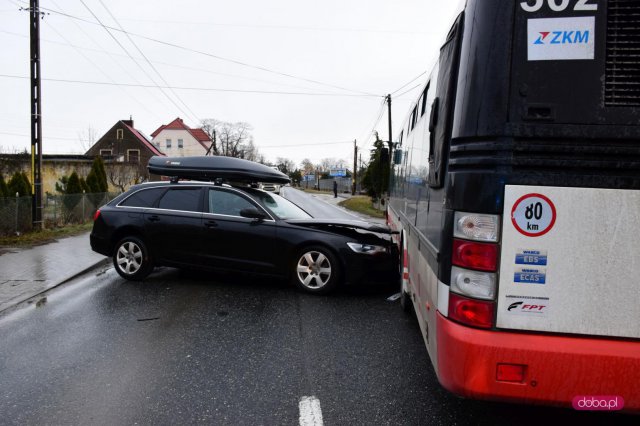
x: 367, y: 248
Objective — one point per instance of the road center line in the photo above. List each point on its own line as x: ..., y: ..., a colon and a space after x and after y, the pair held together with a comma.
x: 310, y: 411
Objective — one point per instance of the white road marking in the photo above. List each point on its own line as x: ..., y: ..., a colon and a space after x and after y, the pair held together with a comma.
x: 393, y: 297
x: 310, y: 412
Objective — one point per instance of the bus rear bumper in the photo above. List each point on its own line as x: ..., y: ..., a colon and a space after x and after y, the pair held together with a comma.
x: 556, y: 368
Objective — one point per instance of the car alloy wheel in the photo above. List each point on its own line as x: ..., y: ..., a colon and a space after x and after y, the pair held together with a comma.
x: 131, y: 259
x: 316, y: 270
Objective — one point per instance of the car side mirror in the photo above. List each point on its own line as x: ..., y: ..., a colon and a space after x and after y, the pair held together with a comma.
x: 252, y: 213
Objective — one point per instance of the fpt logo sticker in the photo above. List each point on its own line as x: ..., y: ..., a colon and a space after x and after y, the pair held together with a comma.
x: 527, y: 305
x: 556, y: 39
x: 533, y: 215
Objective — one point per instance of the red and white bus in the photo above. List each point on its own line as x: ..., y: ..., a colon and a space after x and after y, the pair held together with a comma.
x: 516, y: 194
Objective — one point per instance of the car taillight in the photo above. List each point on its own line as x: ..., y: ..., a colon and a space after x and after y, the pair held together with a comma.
x: 473, y: 255
x: 96, y: 215
x: 474, y: 313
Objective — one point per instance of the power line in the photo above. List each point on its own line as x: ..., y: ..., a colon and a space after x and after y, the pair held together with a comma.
x: 234, y: 61
x: 99, y: 69
x: 148, y: 61
x: 408, y: 90
x: 210, y: 89
x: 285, y: 27
x: 406, y: 84
x: 306, y: 144
x: 112, y: 54
x: 366, y: 138
x: 28, y: 136
x: 133, y: 59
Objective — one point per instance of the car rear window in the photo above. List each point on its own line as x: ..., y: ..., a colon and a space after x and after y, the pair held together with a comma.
x: 143, y: 198
x: 184, y: 199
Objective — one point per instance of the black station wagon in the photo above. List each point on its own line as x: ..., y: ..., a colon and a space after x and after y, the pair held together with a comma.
x: 238, y: 228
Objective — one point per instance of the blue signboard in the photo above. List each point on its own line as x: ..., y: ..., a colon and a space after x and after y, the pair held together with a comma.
x: 338, y: 172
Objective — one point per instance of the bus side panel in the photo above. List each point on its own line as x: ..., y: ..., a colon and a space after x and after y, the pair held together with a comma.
x: 485, y: 67
x: 423, y: 284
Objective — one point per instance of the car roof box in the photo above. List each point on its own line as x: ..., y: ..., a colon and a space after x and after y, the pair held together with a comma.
x: 215, y: 167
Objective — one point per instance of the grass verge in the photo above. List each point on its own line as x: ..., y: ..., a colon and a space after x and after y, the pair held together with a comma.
x: 362, y: 204
x: 45, y: 236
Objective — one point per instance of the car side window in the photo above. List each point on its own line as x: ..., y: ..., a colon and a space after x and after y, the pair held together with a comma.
x: 227, y: 202
x: 144, y: 198
x: 184, y: 199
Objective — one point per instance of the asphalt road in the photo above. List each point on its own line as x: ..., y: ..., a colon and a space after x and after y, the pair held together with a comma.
x: 316, y: 206
x: 194, y: 347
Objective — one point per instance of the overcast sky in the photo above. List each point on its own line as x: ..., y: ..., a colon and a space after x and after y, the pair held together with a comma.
x: 224, y: 60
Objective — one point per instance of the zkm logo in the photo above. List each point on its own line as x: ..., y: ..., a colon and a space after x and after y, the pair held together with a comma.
x: 563, y: 37
x: 598, y: 403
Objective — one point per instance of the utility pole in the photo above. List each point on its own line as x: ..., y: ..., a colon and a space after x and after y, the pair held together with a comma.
x: 36, y: 116
x: 355, y: 167
x: 390, y: 130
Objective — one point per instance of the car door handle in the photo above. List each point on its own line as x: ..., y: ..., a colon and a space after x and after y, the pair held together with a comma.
x: 211, y: 224
x: 153, y: 218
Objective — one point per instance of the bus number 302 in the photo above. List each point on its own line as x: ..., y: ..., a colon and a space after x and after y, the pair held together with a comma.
x: 558, y: 5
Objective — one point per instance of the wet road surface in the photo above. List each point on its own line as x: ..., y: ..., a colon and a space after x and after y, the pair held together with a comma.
x: 186, y: 347
x: 183, y: 348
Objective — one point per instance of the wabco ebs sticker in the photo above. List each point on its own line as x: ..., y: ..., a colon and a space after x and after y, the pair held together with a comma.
x: 531, y: 257
x: 530, y: 276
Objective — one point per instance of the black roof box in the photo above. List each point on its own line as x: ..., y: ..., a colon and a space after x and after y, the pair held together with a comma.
x: 215, y: 167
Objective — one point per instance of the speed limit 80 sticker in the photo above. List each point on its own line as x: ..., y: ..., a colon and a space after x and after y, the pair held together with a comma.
x: 533, y: 215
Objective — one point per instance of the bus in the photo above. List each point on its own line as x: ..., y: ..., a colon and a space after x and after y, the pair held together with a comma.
x: 515, y: 192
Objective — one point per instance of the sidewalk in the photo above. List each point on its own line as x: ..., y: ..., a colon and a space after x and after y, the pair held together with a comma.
x: 27, y: 272
x: 330, y: 199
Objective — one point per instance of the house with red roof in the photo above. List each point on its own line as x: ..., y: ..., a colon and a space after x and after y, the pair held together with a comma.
x: 126, y: 152
x: 124, y: 143
x: 176, y: 139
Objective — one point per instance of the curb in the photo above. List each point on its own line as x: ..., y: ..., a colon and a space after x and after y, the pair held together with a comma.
x: 94, y: 265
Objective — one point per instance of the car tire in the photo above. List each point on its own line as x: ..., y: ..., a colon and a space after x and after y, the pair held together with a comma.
x: 132, y: 259
x: 316, y: 270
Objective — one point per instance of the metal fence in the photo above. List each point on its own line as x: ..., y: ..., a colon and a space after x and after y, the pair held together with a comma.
x: 58, y: 210
x: 344, y: 185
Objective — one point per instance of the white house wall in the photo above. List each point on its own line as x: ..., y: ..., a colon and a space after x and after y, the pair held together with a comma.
x: 190, y: 145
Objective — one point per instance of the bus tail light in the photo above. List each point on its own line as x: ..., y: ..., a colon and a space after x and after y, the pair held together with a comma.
x: 476, y: 227
x: 474, y: 313
x: 479, y: 285
x: 473, y: 255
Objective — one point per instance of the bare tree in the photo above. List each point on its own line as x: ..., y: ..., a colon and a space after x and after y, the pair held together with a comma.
x: 87, y: 138
x: 327, y: 164
x: 209, y: 127
x: 285, y: 165
x: 251, y: 152
x: 231, y: 139
x: 307, y: 166
x: 123, y: 175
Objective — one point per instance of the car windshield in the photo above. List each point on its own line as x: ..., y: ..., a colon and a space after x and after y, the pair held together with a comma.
x: 279, y: 206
